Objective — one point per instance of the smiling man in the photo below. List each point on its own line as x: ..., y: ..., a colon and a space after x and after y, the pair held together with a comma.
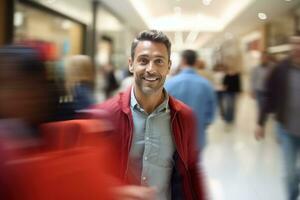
x: 154, y: 133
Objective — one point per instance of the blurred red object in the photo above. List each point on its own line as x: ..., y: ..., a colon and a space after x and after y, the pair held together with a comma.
x: 72, y: 133
x: 48, y: 51
x: 69, y: 174
x: 74, y: 164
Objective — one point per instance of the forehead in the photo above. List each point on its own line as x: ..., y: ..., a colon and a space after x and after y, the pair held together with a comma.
x: 151, y: 48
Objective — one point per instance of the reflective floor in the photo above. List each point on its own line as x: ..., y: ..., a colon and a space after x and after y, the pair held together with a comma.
x: 236, y: 165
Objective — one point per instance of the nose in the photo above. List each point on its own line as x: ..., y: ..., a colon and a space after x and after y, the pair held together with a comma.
x: 150, y: 67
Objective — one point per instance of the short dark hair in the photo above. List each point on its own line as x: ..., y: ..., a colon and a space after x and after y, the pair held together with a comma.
x: 27, y: 60
x: 151, y: 35
x: 190, y: 56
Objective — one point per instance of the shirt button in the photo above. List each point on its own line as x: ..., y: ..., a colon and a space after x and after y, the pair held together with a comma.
x: 146, y: 158
x: 144, y: 178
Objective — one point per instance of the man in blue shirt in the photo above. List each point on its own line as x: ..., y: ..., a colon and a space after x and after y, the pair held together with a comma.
x: 195, y: 91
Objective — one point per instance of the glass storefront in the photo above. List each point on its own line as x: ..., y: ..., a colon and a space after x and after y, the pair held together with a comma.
x: 54, y: 35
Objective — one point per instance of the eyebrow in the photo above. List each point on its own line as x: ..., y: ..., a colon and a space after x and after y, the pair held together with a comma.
x: 155, y: 56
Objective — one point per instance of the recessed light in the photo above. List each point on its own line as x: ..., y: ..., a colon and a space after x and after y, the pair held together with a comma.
x: 206, y: 2
x: 50, y: 1
x: 262, y: 16
x: 288, y: 0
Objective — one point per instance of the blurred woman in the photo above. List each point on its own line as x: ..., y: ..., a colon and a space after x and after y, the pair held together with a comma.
x: 79, y: 81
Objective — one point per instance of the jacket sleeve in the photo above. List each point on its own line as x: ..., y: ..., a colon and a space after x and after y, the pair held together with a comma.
x: 195, y: 171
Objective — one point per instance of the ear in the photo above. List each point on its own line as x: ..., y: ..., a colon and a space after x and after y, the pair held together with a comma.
x: 130, y: 65
x: 170, y: 64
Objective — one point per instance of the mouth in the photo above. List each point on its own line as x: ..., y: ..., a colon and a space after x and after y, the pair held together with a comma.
x: 150, y: 79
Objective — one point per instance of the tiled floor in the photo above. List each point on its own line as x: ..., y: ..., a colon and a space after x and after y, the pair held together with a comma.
x: 236, y: 165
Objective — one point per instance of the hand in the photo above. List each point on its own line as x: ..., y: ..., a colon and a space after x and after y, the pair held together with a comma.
x: 259, y: 133
x: 133, y: 192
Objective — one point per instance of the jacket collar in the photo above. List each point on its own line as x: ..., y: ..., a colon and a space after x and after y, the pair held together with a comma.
x: 124, y: 101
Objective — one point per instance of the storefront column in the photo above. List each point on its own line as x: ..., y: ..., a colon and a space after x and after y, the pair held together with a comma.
x: 94, y: 38
x: 6, y: 21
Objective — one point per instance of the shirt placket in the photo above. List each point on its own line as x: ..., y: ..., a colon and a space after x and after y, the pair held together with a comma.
x: 147, y: 136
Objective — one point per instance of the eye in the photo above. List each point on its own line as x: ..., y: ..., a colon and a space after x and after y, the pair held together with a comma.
x: 143, y: 61
x: 160, y: 61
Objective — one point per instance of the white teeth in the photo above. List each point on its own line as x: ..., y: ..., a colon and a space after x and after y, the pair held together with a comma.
x: 151, y: 79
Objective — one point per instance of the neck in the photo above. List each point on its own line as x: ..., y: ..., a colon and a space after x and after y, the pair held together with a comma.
x: 149, y: 102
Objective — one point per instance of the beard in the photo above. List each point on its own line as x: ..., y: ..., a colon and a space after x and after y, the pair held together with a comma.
x: 149, y: 84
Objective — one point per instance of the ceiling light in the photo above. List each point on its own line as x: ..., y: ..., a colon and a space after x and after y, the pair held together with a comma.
x: 18, y: 19
x: 288, y: 0
x: 262, y: 16
x: 206, y: 2
x: 66, y: 24
x: 50, y: 1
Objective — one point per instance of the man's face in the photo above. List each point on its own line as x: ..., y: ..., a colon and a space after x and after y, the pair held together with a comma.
x: 150, y: 66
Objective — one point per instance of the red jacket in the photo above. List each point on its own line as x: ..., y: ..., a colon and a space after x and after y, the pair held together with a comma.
x: 187, y: 181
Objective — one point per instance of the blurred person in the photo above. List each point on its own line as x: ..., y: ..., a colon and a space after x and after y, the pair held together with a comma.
x: 155, y: 133
x: 79, y: 81
x: 232, y: 86
x: 26, y: 97
x: 258, y: 78
x: 195, y: 91
x: 218, y: 78
x: 28, y: 170
x: 202, y: 71
x: 283, y: 99
x: 111, y: 83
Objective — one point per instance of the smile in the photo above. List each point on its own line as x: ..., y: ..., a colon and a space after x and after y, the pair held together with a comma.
x: 151, y: 79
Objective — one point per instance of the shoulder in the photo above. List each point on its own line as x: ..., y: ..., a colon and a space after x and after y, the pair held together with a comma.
x: 281, y: 67
x: 173, y: 81
x: 204, y: 83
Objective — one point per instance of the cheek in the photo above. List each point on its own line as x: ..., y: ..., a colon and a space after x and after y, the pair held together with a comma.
x: 139, y: 70
x: 164, y: 72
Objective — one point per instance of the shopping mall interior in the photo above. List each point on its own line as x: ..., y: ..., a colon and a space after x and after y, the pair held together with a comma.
x: 234, y: 34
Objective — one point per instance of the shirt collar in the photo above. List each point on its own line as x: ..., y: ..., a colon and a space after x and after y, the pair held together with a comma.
x: 164, y: 106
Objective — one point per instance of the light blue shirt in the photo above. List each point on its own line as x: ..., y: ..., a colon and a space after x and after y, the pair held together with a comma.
x: 152, y: 149
x: 197, y: 93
